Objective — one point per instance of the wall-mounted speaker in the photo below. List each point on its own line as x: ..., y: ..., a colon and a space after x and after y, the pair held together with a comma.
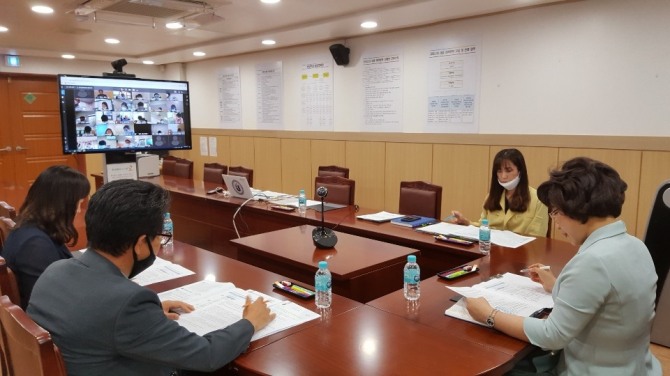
x: 340, y: 54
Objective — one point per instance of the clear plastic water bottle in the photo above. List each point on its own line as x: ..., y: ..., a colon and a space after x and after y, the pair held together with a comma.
x: 168, y: 227
x: 412, y: 278
x: 484, y: 237
x: 323, y: 285
x: 302, y: 203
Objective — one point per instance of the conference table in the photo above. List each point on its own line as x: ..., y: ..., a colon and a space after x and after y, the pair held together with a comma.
x: 388, y: 336
x: 362, y: 269
x: 206, y: 220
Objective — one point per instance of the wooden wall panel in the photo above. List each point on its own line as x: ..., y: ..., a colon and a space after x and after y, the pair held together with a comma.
x: 627, y: 163
x: 462, y: 171
x: 405, y: 162
x: 655, y: 170
x: 242, y: 152
x: 366, y: 165
x: 327, y: 153
x: 268, y: 168
x: 295, y: 167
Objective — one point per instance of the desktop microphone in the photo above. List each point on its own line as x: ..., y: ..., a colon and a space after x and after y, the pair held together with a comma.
x: 323, y: 237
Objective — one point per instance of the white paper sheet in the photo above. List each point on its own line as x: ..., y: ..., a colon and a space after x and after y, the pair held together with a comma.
x: 161, y: 270
x: 218, y: 305
x: 511, y: 293
x: 502, y: 238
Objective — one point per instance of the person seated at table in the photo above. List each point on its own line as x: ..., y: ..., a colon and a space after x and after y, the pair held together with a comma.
x: 604, y: 296
x: 104, y: 323
x: 518, y: 209
x: 45, y: 225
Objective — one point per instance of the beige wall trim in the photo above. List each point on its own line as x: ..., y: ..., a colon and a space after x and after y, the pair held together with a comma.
x: 572, y: 141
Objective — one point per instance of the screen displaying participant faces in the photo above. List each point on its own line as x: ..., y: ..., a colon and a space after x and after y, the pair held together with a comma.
x: 102, y: 114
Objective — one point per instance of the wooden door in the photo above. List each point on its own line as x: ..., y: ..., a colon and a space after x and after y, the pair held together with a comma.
x: 30, y: 133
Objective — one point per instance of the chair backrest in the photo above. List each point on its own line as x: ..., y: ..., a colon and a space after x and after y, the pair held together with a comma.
x: 8, y: 284
x: 213, y: 171
x: 169, y: 164
x: 27, y: 346
x: 333, y: 171
x: 420, y: 198
x: 184, y: 169
x: 6, y: 225
x: 7, y: 210
x: 340, y: 190
x: 242, y: 171
x: 656, y: 238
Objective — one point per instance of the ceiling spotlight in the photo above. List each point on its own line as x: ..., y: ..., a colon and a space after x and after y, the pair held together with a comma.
x: 147, y: 62
x: 369, y: 25
x: 174, y: 25
x: 269, y: 42
x: 199, y: 53
x: 42, y: 9
x: 270, y: 1
x: 67, y: 56
x: 112, y: 41
x: 3, y: 29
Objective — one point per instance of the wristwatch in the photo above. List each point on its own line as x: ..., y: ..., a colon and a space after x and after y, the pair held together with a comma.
x: 490, y: 321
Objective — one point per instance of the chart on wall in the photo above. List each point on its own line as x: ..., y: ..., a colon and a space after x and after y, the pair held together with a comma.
x: 453, y: 89
x: 382, y: 85
x: 316, y: 95
x: 230, y: 98
x: 269, y: 96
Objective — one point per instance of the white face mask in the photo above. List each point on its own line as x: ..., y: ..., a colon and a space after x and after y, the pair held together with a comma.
x: 510, y: 185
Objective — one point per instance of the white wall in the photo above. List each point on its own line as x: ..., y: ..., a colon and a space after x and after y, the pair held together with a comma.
x: 595, y: 67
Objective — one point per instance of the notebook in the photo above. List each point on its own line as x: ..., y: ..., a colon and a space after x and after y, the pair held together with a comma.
x: 238, y: 186
x: 413, y: 221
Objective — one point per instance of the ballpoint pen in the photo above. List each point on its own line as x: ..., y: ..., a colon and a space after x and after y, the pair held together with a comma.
x: 449, y: 218
x: 546, y: 267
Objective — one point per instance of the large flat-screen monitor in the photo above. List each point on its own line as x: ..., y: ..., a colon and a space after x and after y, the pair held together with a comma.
x: 107, y: 114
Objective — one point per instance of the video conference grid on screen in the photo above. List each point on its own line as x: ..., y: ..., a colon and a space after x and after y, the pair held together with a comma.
x: 103, y: 114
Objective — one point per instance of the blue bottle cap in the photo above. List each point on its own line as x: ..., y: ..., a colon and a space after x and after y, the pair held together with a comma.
x: 166, y: 215
x: 323, y: 264
x: 411, y: 258
x: 485, y: 221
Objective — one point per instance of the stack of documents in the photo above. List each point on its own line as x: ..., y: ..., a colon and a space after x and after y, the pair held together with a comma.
x: 218, y: 305
x: 502, y: 238
x: 510, y: 293
x: 380, y: 217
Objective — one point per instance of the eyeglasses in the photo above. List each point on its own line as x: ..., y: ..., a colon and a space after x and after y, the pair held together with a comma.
x: 553, y: 213
x: 165, y: 238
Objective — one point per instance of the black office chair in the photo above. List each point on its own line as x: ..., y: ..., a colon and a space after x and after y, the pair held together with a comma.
x: 657, y: 241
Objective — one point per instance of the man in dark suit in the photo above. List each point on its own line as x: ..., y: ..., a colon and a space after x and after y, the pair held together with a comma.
x: 105, y: 324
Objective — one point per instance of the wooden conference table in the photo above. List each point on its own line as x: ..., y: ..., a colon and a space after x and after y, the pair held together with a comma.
x: 206, y: 220
x: 362, y: 269
x: 387, y: 336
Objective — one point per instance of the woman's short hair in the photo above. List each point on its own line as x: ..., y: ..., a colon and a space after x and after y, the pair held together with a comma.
x: 583, y: 188
x: 51, y: 203
x: 521, y: 197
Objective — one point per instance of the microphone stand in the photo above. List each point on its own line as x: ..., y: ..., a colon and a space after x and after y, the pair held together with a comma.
x: 323, y: 238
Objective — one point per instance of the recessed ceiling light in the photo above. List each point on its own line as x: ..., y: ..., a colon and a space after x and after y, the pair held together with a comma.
x: 112, y: 41
x: 199, y: 53
x: 174, y: 25
x: 268, y: 42
x: 42, y: 9
x: 3, y: 29
x: 270, y: 1
x: 369, y: 25
x: 147, y: 62
x: 67, y: 56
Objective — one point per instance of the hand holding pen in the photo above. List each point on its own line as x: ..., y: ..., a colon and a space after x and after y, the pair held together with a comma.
x: 541, y: 274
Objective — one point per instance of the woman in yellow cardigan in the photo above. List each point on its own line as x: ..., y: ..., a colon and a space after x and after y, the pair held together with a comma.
x: 518, y: 209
